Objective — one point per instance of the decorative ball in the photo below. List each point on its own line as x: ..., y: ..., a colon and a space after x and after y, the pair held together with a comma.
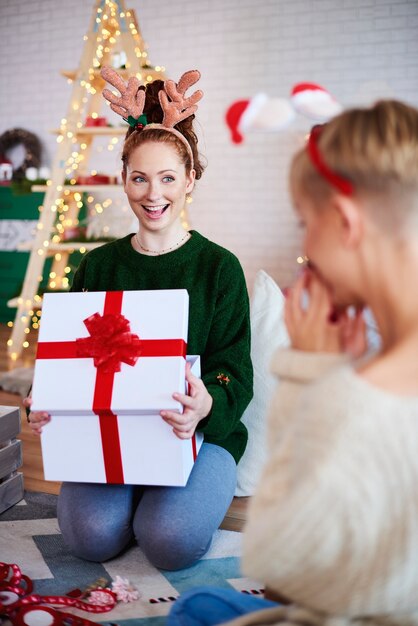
x: 31, y: 173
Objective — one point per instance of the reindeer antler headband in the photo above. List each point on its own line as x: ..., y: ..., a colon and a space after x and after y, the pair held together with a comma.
x: 175, y: 105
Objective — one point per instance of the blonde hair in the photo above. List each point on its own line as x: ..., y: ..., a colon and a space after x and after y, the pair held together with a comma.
x: 376, y: 149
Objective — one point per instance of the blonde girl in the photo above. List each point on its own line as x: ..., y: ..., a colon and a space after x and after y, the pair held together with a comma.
x: 334, y: 524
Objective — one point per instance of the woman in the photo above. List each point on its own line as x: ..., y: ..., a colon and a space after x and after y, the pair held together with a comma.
x: 173, y: 526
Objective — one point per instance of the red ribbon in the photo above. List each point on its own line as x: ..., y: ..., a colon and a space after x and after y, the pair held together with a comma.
x: 110, y: 344
x: 17, y: 600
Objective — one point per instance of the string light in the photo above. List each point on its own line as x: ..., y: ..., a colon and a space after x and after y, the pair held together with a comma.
x: 110, y: 24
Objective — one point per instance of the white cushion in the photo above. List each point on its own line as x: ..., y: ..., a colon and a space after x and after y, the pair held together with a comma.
x: 268, y: 332
x: 18, y: 380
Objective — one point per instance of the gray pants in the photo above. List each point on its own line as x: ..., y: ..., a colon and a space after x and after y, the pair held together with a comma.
x: 172, y: 525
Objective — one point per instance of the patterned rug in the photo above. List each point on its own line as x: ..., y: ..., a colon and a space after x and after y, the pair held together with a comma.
x: 30, y: 537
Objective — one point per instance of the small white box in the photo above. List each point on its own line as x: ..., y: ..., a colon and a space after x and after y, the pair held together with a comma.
x: 150, y: 452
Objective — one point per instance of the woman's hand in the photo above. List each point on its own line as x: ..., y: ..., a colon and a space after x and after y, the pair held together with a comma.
x: 317, y: 326
x: 354, y: 333
x: 36, y: 419
x: 197, y: 405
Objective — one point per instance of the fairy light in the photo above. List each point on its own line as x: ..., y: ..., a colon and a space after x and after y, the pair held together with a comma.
x: 106, y: 35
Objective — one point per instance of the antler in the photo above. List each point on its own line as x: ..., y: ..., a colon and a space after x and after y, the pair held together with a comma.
x: 178, y: 107
x: 132, y: 99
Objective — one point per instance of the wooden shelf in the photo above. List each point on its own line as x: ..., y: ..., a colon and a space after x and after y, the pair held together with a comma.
x: 80, y: 187
x: 14, y: 303
x: 66, y: 246
x: 95, y: 130
x: 125, y: 73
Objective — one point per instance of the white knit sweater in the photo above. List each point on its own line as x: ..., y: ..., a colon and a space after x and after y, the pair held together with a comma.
x: 334, y: 522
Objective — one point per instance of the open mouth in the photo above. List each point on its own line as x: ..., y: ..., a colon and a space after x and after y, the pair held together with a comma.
x: 155, y: 211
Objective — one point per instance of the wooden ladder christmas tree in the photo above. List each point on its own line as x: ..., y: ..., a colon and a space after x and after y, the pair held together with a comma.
x: 113, y: 36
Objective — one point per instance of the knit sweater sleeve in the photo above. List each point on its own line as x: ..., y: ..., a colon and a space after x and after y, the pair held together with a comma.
x: 331, y: 525
x: 294, y: 369
x: 228, y: 372
x: 290, y: 543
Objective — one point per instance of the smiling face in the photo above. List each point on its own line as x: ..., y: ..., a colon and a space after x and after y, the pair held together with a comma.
x: 156, y: 184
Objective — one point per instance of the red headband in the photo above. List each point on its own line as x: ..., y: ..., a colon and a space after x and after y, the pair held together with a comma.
x: 341, y: 183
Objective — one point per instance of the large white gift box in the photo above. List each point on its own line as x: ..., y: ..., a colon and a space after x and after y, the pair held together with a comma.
x: 107, y: 364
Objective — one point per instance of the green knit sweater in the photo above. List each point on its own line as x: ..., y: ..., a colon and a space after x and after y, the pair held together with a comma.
x: 219, y: 322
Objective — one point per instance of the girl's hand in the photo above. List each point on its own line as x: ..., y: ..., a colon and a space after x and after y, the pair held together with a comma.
x: 311, y: 326
x: 354, y: 333
x: 197, y: 405
x: 318, y: 326
x: 36, y: 419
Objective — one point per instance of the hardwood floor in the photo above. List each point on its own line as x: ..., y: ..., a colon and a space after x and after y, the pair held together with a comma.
x: 32, y: 459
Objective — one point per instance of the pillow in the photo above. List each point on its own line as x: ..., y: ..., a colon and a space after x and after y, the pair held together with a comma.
x: 18, y: 380
x: 268, y: 332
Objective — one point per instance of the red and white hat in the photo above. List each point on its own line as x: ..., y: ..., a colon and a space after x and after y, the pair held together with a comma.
x: 259, y: 113
x: 315, y: 102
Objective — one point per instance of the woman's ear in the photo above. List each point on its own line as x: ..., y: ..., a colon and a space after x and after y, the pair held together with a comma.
x: 351, y: 220
x: 190, y: 181
x: 123, y: 175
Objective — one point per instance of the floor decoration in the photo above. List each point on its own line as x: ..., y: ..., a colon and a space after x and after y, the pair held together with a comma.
x: 30, y: 537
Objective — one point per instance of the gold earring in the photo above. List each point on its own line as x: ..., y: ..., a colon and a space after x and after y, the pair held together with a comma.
x: 189, y: 198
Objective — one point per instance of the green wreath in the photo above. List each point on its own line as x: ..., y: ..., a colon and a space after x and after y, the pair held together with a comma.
x: 19, y: 136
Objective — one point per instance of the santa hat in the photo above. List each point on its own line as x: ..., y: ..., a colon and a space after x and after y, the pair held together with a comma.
x: 315, y: 102
x: 261, y: 113
x: 233, y: 117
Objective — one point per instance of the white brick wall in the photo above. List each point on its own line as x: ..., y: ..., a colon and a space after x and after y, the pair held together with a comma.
x: 360, y: 50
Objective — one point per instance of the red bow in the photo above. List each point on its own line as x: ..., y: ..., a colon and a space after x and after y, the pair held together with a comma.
x: 110, y: 343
